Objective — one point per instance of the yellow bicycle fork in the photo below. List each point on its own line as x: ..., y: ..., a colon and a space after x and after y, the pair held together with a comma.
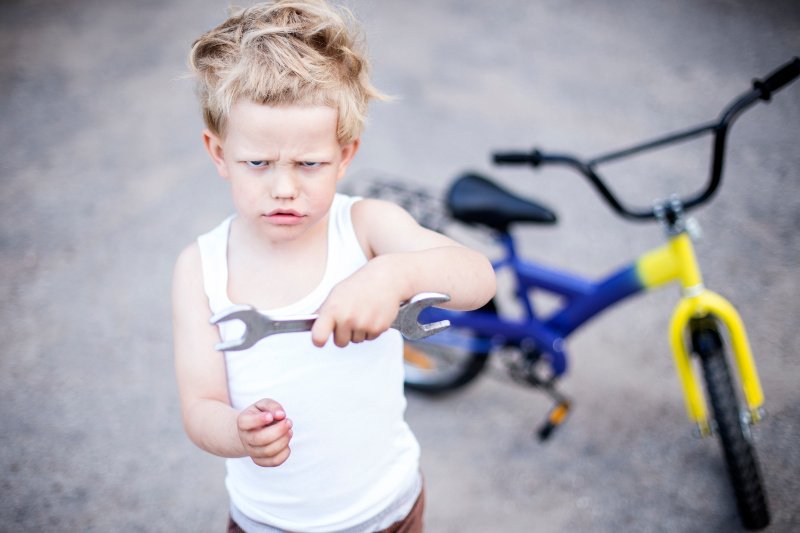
x: 676, y: 261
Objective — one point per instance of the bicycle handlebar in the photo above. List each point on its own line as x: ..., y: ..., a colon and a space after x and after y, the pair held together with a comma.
x: 778, y: 79
x: 762, y: 90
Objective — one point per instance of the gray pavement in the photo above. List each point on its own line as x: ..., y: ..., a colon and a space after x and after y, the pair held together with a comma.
x: 104, y: 180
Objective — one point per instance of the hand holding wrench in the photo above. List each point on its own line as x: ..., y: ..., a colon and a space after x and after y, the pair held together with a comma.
x: 258, y: 325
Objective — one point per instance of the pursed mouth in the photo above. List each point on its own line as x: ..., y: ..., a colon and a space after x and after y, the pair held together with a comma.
x: 284, y: 212
x: 284, y: 216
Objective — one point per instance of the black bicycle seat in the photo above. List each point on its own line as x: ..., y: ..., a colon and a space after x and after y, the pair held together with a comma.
x: 476, y: 200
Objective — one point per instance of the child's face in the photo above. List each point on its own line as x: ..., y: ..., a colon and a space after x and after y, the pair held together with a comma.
x: 283, y: 164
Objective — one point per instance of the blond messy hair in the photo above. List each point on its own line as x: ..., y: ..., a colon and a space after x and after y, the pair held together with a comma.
x: 287, y: 52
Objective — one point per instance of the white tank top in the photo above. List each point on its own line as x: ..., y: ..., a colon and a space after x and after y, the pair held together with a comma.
x: 353, y: 454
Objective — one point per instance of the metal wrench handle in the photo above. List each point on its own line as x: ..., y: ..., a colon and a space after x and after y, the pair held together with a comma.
x: 258, y: 325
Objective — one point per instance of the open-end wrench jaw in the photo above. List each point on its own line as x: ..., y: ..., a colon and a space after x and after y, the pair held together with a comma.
x: 407, y: 321
x: 252, y: 321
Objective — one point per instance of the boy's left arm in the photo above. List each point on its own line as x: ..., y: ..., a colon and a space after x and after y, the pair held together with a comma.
x: 405, y: 259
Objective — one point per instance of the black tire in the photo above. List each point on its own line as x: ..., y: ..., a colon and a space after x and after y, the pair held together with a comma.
x: 434, y: 368
x: 733, y: 432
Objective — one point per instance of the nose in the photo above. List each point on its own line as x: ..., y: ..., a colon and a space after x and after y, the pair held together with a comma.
x: 284, y: 184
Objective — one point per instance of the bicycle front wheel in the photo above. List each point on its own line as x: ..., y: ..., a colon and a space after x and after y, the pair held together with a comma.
x: 446, y: 361
x: 733, y: 430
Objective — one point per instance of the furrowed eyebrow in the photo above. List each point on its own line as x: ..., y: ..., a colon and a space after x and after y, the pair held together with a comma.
x: 316, y: 158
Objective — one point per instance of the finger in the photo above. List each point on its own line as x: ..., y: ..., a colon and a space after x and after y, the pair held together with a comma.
x: 369, y: 333
x: 321, y: 330
x: 268, y: 405
x: 342, y: 335
x: 276, y: 447
x: 261, y: 437
x: 262, y: 413
x: 273, y: 461
x: 251, y: 419
x: 272, y: 451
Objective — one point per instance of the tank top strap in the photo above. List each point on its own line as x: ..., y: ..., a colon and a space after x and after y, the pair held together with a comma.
x: 344, y: 247
x: 214, y: 259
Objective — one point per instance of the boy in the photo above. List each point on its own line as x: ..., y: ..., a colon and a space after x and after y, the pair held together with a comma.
x: 313, y: 427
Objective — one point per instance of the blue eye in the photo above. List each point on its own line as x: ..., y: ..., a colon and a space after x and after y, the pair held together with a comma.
x: 310, y: 164
x: 257, y: 164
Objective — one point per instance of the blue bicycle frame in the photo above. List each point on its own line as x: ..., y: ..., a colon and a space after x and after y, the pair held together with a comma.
x: 582, y: 300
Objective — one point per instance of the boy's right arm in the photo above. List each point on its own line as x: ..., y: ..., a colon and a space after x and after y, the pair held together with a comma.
x: 261, y: 431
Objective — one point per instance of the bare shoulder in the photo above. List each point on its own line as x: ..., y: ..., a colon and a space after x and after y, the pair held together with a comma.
x: 189, y: 258
x: 371, y: 205
x: 373, y: 211
x: 189, y: 261
x: 383, y: 227
x: 187, y: 277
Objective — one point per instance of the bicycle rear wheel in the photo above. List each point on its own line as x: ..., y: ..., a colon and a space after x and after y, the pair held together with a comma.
x: 733, y: 430
x: 441, y: 364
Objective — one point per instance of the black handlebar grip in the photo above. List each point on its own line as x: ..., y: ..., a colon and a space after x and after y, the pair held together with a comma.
x: 517, y: 158
x: 776, y: 80
x: 511, y: 158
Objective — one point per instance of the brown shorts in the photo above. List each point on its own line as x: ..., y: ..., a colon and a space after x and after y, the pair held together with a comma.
x: 412, y: 523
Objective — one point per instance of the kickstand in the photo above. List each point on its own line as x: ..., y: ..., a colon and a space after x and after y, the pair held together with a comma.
x: 557, y: 414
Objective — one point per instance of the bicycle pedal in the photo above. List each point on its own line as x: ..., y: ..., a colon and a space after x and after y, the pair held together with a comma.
x: 557, y: 416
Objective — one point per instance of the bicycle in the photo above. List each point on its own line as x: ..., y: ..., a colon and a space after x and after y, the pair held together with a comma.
x: 700, y: 321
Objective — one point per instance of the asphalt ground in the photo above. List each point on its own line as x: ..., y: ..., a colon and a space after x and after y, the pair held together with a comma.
x: 104, y: 180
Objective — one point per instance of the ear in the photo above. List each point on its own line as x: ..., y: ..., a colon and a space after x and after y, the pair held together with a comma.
x: 348, y: 153
x: 213, y: 146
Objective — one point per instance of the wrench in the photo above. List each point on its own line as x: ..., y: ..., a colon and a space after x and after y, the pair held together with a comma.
x: 258, y: 325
